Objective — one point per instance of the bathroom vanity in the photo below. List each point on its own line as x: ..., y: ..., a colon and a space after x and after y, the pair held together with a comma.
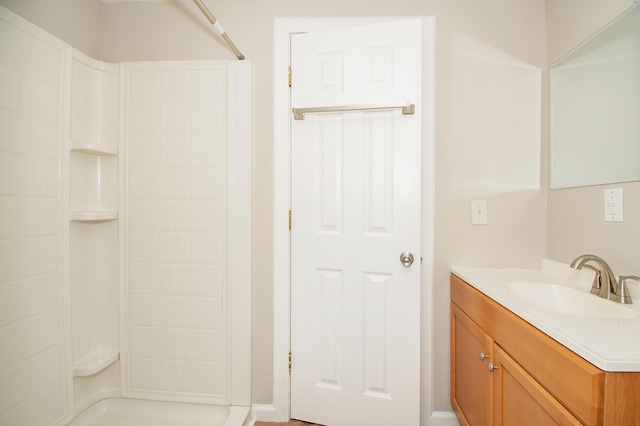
x: 518, y: 360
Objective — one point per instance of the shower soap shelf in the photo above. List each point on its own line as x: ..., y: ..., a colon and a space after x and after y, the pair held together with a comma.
x: 94, y: 363
x: 93, y: 215
x: 95, y: 149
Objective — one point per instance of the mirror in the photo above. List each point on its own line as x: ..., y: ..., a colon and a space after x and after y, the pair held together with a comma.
x: 595, y: 108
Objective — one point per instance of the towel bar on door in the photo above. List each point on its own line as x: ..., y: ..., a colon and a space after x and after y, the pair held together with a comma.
x: 298, y: 113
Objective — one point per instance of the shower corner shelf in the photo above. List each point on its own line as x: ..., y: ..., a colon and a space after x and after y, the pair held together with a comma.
x: 94, y: 363
x: 94, y: 149
x: 92, y: 215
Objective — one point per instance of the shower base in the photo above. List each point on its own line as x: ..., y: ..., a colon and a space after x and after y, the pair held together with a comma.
x: 124, y: 411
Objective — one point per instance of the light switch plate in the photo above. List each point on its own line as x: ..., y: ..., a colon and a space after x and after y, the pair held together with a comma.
x: 479, y: 212
x: 613, y: 206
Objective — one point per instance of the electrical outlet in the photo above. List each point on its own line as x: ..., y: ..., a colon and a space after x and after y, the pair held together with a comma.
x: 613, y: 206
x: 479, y: 212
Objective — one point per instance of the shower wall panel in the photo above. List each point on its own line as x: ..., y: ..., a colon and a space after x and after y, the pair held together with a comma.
x: 176, y: 343
x: 33, y: 383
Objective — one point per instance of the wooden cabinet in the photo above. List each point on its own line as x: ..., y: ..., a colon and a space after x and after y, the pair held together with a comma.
x: 489, y: 387
x: 470, y: 378
x: 506, y: 372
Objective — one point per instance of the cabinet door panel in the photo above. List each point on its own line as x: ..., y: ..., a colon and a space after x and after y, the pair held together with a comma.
x: 520, y: 400
x: 470, y: 379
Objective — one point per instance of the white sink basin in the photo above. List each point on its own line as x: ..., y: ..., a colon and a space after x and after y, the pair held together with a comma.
x: 556, y: 300
x: 570, y: 301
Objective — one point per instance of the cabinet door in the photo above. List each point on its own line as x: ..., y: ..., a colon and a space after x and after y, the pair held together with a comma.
x: 520, y: 400
x: 470, y: 379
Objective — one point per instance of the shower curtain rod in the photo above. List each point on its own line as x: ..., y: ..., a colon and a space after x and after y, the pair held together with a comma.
x: 218, y: 27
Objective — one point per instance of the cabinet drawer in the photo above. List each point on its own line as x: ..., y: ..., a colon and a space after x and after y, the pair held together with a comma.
x: 565, y: 375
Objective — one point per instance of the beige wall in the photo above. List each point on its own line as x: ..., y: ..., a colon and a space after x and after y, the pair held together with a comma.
x: 570, y: 22
x: 76, y: 22
x: 480, y: 46
x: 575, y: 216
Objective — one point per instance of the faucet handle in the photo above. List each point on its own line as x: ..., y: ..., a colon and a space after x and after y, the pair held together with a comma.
x: 597, y: 280
x: 622, y: 295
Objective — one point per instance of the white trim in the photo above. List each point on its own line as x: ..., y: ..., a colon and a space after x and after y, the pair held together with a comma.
x: 237, y: 416
x: 282, y: 116
x: 65, y: 258
x: 443, y: 418
x: 265, y: 413
x: 240, y: 230
x: 123, y: 223
x: 428, y: 215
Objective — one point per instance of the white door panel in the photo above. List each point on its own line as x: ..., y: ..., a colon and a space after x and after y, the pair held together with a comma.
x: 355, y: 325
x: 368, y: 64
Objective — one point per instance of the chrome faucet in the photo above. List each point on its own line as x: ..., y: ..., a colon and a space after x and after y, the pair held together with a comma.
x: 605, y: 284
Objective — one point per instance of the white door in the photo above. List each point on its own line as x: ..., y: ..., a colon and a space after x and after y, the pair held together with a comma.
x: 355, y: 308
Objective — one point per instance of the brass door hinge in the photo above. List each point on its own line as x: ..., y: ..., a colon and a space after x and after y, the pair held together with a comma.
x: 289, y: 361
x: 289, y: 77
x: 289, y: 219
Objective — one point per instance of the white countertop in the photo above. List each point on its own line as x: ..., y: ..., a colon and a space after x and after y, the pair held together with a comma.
x: 611, y: 344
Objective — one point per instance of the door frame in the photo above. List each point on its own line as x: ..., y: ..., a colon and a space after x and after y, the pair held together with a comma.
x: 282, y: 201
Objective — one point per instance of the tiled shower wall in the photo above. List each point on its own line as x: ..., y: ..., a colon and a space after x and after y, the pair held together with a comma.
x: 175, y: 240
x: 175, y: 327
x: 32, y: 383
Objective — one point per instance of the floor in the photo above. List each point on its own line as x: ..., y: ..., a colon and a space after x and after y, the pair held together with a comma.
x: 289, y: 423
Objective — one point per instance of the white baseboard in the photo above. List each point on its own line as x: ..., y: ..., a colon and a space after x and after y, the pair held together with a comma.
x: 268, y: 413
x: 238, y: 416
x: 443, y: 418
x: 265, y: 413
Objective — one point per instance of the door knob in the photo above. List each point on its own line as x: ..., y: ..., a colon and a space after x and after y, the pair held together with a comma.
x: 406, y: 258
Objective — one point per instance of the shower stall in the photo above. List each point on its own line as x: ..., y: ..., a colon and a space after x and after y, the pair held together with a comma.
x: 125, y: 238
